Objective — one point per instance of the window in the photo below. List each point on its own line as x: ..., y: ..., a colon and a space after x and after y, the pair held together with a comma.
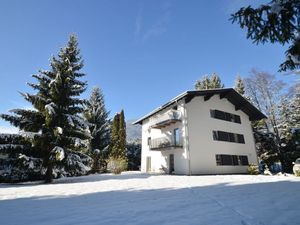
x: 149, y: 141
x: 219, y: 160
x: 232, y: 160
x: 243, y: 159
x: 229, y: 137
x: 241, y: 138
x: 176, y: 137
x: 217, y: 114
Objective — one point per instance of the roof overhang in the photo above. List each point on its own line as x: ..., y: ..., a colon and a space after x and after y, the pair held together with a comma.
x: 230, y: 94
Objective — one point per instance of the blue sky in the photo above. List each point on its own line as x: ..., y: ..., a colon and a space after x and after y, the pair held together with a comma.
x: 141, y: 53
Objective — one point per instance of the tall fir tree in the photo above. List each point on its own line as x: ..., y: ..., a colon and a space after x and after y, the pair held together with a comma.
x: 56, y: 105
x: 239, y: 85
x: 96, y: 115
x: 275, y: 21
x: 209, y: 82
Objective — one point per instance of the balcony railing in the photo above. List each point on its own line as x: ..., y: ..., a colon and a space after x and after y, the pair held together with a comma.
x: 164, y: 143
x: 170, y: 117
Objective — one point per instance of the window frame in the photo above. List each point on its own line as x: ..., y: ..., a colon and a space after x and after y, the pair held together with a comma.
x: 225, y: 136
x: 231, y: 160
x: 225, y: 116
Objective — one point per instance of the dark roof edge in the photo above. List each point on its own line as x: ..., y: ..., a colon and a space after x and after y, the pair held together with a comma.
x: 177, y: 98
x: 258, y: 114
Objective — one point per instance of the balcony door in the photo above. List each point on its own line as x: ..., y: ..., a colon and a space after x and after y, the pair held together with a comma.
x: 176, y: 137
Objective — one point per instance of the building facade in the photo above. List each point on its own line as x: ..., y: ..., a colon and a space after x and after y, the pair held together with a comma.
x: 200, y: 132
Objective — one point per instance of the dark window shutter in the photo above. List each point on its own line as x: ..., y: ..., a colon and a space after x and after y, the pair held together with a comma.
x: 231, y: 137
x: 215, y: 135
x: 244, y: 160
x: 235, y: 160
x: 226, y: 160
x: 228, y: 116
x: 212, y: 113
x: 219, y: 115
x: 222, y: 136
x: 237, y: 119
x: 218, y: 160
x: 241, y: 138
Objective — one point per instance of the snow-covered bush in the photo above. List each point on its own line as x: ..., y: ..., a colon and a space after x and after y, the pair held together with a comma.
x: 77, y: 164
x: 267, y: 171
x: 297, y: 173
x: 20, y: 169
x: 116, y: 165
x: 253, y: 169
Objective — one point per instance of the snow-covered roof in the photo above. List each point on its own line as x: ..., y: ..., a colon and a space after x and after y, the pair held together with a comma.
x: 230, y: 94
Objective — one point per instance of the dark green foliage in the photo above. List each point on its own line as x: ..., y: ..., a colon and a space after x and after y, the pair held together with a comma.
x: 277, y: 21
x: 56, y: 107
x: 21, y: 168
x: 115, y: 142
x: 134, y: 149
x: 209, y: 82
x: 99, y: 127
x: 118, y: 137
x: 122, y: 135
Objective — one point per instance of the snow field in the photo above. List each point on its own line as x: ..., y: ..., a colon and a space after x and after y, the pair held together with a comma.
x: 136, y: 198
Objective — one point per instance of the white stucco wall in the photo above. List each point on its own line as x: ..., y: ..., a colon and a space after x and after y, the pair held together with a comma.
x: 160, y: 159
x: 201, y: 144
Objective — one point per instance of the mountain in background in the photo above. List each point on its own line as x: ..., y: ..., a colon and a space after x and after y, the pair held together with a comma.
x: 133, y: 131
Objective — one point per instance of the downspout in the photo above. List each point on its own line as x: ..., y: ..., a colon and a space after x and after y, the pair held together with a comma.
x: 186, y: 138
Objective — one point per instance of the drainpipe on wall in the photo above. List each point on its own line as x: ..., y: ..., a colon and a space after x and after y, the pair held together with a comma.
x: 186, y: 138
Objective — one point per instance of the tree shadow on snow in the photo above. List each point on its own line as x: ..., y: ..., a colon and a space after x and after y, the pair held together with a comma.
x: 271, y: 203
x: 83, y: 179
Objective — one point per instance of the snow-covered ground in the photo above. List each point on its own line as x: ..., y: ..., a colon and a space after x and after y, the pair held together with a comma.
x: 135, y: 198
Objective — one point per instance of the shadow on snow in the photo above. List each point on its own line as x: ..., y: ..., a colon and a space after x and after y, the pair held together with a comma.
x: 222, y: 204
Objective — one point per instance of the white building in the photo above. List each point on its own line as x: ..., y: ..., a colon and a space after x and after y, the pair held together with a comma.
x: 200, y: 132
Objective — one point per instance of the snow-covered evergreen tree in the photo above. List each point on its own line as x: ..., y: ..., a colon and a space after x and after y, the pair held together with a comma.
x: 209, y: 82
x: 55, y: 117
x: 274, y: 21
x: 295, y: 110
x: 134, y: 149
x: 215, y: 81
x: 96, y: 115
x: 239, y: 85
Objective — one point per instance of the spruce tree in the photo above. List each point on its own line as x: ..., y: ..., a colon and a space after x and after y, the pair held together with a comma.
x: 276, y: 21
x: 96, y: 115
x: 215, y: 81
x: 209, y: 82
x: 239, y: 85
x: 56, y: 105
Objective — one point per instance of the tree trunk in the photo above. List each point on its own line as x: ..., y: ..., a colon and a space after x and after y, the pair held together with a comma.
x: 48, y: 175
